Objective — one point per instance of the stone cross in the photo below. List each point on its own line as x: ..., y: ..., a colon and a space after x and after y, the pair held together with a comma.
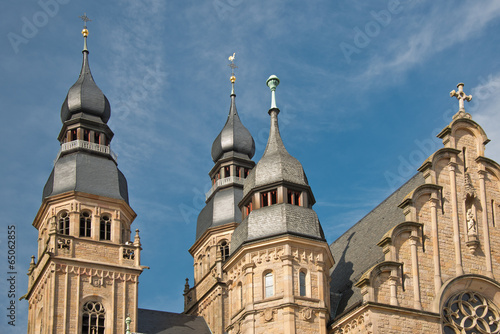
x: 461, y: 97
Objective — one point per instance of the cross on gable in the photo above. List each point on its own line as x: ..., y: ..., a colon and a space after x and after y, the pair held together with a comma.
x: 461, y: 96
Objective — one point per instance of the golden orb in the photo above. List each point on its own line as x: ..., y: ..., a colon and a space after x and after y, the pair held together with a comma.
x: 233, y: 78
x: 85, y: 32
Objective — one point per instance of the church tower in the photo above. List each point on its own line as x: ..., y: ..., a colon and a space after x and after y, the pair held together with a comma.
x: 232, y: 152
x: 278, y: 270
x: 85, y: 279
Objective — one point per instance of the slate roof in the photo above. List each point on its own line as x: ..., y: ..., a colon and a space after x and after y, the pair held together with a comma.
x: 159, y: 322
x: 356, y: 250
x: 222, y: 208
x: 277, y: 220
x: 276, y: 163
x: 88, y: 173
x: 85, y: 97
x: 233, y: 137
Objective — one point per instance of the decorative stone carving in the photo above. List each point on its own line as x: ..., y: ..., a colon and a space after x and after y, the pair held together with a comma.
x: 307, y: 314
x: 97, y: 281
x: 471, y: 223
x: 469, y: 188
x: 268, y: 314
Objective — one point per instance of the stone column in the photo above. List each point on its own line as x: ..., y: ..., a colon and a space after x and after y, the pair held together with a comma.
x: 484, y: 218
x: 435, y: 245
x: 414, y: 271
x: 456, y: 227
x: 393, y: 278
x: 288, y: 312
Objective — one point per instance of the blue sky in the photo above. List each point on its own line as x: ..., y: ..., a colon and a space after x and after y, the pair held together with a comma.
x: 364, y: 90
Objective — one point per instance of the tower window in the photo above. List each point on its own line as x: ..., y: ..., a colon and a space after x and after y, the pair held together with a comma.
x: 63, y: 226
x: 264, y: 199
x: 227, y: 171
x: 85, y: 224
x: 240, y: 295
x: 302, y: 283
x: 268, y: 285
x: 465, y: 158
x: 268, y: 198
x: 93, y: 318
x: 97, y: 138
x: 73, y: 135
x: 294, y: 197
x: 493, y: 212
x: 238, y: 171
x: 246, y: 172
x: 105, y: 228
x: 248, y: 208
x: 224, y: 250
x: 86, y: 135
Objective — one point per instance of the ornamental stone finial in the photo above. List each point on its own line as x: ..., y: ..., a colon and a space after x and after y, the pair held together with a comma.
x: 461, y: 97
x: 272, y: 83
x: 127, y: 322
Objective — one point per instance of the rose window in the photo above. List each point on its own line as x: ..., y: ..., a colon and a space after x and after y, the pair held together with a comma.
x: 470, y: 313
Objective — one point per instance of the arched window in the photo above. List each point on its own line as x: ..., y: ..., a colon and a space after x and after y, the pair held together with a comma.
x: 268, y: 285
x: 105, y: 228
x: 224, y: 250
x: 85, y: 224
x: 93, y: 318
x: 63, y: 224
x: 470, y: 312
x: 240, y: 296
x: 302, y: 283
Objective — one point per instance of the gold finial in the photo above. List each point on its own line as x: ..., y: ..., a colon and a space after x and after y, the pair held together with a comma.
x: 85, y: 32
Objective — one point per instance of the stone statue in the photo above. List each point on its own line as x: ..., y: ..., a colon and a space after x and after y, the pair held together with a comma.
x: 471, y: 223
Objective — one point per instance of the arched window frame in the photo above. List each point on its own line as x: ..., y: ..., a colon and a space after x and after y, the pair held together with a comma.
x: 304, y: 283
x: 239, y: 295
x: 105, y: 227
x: 86, y: 224
x: 224, y: 249
x: 93, y: 317
x: 207, y: 259
x: 63, y: 223
x: 268, y: 284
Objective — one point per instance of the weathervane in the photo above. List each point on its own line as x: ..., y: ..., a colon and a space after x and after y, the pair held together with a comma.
x: 233, y: 66
x: 85, y: 32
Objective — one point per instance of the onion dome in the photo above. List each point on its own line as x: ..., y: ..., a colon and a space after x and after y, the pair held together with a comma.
x: 234, y: 137
x: 84, y: 97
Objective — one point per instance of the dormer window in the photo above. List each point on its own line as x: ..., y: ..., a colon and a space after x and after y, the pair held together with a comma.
x: 294, y: 197
x: 268, y: 198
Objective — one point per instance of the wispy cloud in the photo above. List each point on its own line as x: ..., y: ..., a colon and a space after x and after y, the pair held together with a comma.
x: 433, y: 30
